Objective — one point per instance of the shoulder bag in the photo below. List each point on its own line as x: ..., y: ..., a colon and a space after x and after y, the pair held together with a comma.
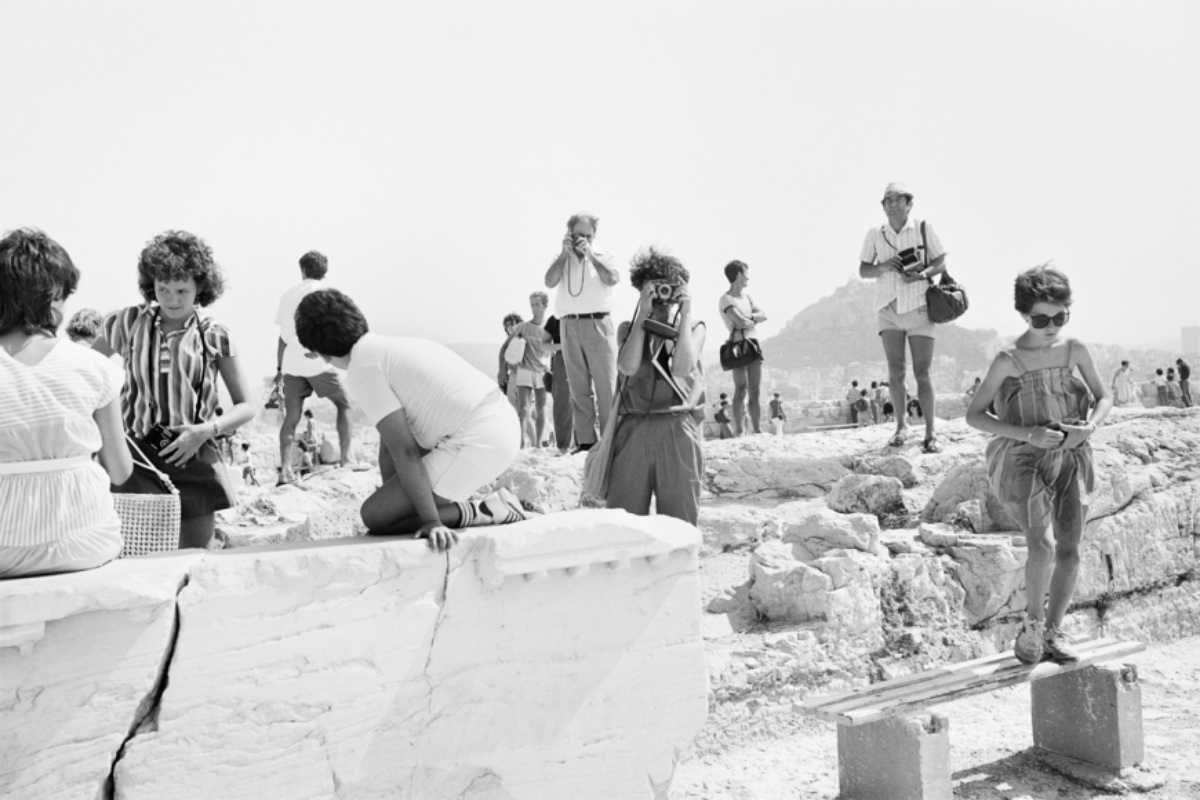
x: 737, y: 353
x: 945, y: 300
x: 149, y: 522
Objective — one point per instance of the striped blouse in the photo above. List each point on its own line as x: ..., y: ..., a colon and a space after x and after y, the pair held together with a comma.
x: 881, y: 244
x: 170, y: 378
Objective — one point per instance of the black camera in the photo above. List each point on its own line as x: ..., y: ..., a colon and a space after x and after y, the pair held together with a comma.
x: 159, y: 437
x: 661, y: 329
x: 664, y: 293
x: 909, y: 256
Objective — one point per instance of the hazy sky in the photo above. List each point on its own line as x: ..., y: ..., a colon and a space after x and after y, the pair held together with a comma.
x: 434, y: 151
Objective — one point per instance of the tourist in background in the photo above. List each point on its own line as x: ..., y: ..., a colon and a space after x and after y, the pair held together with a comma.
x: 173, y: 358
x: 900, y: 285
x: 1124, y: 389
x: 1174, y: 396
x: 59, y: 405
x: 511, y: 353
x: 657, y: 451
x: 84, y: 326
x: 875, y: 402
x: 1040, y: 462
x: 585, y: 279
x: 862, y: 407
x: 560, y: 389
x: 1185, y: 387
x: 778, y: 416
x: 445, y: 430
x: 531, y: 371
x: 852, y: 396
x: 247, y: 463
x: 300, y: 375
x: 1160, y: 387
x: 741, y: 316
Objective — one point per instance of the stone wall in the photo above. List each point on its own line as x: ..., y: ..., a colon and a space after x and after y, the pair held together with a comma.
x: 560, y: 657
x: 825, y: 413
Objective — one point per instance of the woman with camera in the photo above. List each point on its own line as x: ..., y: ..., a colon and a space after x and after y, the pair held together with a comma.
x: 173, y: 357
x: 58, y: 407
x: 657, y: 445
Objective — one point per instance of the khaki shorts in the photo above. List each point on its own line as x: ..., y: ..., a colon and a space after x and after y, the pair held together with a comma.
x: 528, y: 379
x: 913, y: 323
x: 327, y: 384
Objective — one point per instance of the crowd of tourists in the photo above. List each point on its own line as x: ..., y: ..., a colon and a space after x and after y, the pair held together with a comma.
x: 75, y: 430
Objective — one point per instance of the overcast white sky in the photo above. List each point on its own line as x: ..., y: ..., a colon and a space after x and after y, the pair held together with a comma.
x: 434, y: 151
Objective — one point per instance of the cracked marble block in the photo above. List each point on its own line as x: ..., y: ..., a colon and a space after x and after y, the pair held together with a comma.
x: 559, y: 657
x: 80, y: 657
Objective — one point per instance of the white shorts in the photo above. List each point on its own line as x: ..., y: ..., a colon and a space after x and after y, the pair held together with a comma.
x: 475, y: 454
x: 528, y: 379
x: 912, y: 323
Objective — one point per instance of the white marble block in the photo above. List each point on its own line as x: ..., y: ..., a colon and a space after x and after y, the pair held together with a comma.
x: 560, y: 657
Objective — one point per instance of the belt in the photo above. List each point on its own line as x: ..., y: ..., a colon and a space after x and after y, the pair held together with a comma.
x: 47, y: 465
x: 593, y: 315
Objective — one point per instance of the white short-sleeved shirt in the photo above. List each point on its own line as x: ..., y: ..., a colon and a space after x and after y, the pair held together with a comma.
x: 881, y: 244
x: 46, y: 414
x: 743, y: 304
x: 535, y: 359
x: 436, y: 387
x: 581, y: 290
x: 295, y: 362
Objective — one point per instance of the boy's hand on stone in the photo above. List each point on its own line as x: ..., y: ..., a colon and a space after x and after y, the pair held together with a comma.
x: 440, y: 537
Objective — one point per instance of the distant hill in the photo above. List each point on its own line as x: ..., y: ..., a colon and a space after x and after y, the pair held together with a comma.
x: 840, y: 329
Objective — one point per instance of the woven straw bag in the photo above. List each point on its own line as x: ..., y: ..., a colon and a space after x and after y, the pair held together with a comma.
x: 149, y: 522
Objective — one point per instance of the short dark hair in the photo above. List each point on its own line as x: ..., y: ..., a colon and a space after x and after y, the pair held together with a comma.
x: 733, y: 269
x: 84, y: 324
x: 35, y: 272
x: 874, y: 385
x: 512, y: 318
x: 1158, y: 371
x: 177, y: 256
x: 329, y: 323
x: 308, y: 412
x: 653, y: 265
x: 1126, y: 363
x: 314, y: 265
x: 1042, y: 284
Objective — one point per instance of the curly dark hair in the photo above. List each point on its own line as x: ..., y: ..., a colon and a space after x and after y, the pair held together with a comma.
x: 84, y: 324
x: 329, y: 323
x: 1042, y: 284
x: 314, y: 265
x: 512, y: 318
x: 35, y: 271
x: 733, y: 269
x: 177, y: 256
x: 654, y: 265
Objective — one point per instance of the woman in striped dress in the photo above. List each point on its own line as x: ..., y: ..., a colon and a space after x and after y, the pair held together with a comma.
x: 1040, y: 463
x: 173, y: 358
x: 58, y: 407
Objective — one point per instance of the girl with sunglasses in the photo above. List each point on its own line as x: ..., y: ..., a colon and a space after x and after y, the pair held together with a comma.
x: 1040, y: 463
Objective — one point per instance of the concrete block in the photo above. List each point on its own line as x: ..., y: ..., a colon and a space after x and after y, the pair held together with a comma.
x: 1092, y: 714
x: 906, y: 758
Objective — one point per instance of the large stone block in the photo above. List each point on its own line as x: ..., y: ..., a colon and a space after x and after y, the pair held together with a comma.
x: 906, y: 758
x: 814, y: 530
x: 867, y: 494
x: 80, y: 661
x: 1092, y: 714
x: 559, y: 657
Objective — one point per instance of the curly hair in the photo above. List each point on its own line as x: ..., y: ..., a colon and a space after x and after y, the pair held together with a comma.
x: 512, y: 318
x: 35, y: 272
x: 583, y: 215
x: 314, y: 265
x: 177, y: 256
x: 84, y: 324
x: 733, y: 269
x: 1042, y: 284
x: 654, y: 265
x: 329, y: 323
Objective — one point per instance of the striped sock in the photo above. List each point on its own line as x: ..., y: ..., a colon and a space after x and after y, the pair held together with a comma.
x: 471, y: 514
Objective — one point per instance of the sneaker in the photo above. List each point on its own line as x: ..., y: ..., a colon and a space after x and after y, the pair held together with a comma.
x: 1057, y: 645
x: 504, y: 507
x: 1028, y: 647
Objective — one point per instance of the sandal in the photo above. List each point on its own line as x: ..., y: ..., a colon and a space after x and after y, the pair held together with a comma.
x: 898, y: 439
x: 932, y: 445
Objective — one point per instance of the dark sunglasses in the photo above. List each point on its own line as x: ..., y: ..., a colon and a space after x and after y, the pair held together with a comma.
x: 1040, y: 321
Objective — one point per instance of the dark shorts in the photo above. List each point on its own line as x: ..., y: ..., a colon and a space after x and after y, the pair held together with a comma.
x: 327, y: 384
x: 203, y: 483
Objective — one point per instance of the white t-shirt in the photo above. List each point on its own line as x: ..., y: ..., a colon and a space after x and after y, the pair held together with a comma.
x: 295, y: 362
x: 436, y: 387
x: 743, y: 304
x: 581, y: 291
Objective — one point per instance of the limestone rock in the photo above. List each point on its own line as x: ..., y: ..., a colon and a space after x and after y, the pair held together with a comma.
x: 897, y: 467
x: 330, y: 523
x: 765, y: 466
x: 992, y: 573
x: 814, y: 530
x: 734, y: 525
x: 868, y: 494
x: 547, y: 481
x: 938, y: 534
x: 965, y: 482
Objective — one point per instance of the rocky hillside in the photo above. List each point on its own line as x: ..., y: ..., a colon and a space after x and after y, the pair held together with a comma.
x: 840, y: 329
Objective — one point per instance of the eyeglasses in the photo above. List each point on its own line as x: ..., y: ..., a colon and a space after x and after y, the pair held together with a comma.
x: 1040, y: 321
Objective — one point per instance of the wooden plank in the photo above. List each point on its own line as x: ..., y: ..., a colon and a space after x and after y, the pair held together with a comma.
x: 953, y: 679
x: 943, y: 684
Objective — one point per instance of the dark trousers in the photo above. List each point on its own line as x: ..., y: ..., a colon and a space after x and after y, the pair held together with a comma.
x: 563, y: 415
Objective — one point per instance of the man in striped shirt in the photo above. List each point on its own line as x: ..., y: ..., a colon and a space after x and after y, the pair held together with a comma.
x: 902, y: 255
